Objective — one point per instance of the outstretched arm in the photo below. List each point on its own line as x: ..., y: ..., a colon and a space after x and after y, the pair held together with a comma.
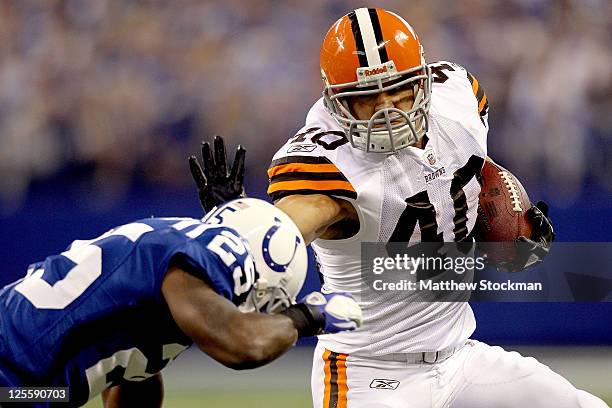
x: 314, y: 214
x: 236, y: 340
x: 216, y: 182
x: 248, y: 340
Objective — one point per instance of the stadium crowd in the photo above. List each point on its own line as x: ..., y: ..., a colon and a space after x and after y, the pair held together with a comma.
x: 119, y: 90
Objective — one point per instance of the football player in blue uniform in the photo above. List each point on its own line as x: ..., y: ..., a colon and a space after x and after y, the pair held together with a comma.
x: 108, y: 314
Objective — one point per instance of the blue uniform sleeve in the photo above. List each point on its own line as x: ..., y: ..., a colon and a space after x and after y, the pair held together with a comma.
x: 221, y: 258
x: 206, y: 267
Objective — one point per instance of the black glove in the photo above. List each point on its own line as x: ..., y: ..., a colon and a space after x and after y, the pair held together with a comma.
x: 215, y: 185
x: 533, y: 250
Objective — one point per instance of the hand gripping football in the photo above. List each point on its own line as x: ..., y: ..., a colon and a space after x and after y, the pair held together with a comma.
x: 502, y: 212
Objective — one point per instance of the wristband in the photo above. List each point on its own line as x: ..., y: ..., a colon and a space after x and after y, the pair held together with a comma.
x: 307, y: 321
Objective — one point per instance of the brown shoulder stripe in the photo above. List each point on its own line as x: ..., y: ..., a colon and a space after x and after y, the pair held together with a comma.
x: 480, y: 95
x: 300, y: 159
x: 278, y: 194
x: 307, y: 175
x: 301, y: 164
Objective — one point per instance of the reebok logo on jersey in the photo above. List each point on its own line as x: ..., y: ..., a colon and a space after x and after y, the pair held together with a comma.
x: 382, y: 384
x: 302, y: 148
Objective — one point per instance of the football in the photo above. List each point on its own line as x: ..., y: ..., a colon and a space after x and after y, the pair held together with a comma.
x: 502, y: 212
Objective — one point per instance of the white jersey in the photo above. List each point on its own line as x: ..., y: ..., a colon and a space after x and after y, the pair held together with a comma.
x: 411, y: 195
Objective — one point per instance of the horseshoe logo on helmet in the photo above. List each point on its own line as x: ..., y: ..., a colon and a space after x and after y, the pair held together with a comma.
x: 265, y: 248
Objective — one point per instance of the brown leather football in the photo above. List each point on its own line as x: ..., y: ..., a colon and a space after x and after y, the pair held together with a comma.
x: 502, y: 212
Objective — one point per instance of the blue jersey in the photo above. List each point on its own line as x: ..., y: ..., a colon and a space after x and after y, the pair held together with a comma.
x: 94, y: 315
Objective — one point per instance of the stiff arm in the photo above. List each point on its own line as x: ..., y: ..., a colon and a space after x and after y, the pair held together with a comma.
x: 316, y: 214
x: 235, y: 339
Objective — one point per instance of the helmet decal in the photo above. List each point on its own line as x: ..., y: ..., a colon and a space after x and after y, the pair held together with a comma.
x: 268, y: 233
x: 368, y: 37
x: 265, y: 248
x: 216, y: 215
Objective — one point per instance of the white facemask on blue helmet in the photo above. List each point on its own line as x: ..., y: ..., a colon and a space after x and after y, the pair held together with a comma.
x: 277, y: 247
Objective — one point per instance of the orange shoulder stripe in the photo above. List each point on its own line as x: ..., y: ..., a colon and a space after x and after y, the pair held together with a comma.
x: 321, y: 185
x: 482, y: 103
x: 302, y: 167
x: 474, y: 84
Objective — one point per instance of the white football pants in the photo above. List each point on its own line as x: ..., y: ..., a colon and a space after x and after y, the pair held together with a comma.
x: 475, y: 376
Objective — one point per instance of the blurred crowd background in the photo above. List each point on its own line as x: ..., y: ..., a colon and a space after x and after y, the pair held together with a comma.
x: 119, y: 92
x: 101, y: 102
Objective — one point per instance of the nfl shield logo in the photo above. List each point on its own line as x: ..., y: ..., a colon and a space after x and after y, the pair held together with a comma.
x: 430, y: 155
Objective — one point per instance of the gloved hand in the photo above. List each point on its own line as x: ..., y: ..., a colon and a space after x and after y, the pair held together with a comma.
x: 319, y: 313
x: 215, y: 185
x: 532, y: 250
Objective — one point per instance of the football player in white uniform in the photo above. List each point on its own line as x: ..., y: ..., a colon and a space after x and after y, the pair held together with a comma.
x: 391, y: 153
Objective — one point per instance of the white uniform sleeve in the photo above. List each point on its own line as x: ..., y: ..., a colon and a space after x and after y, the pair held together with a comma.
x: 305, y: 163
x: 460, y: 97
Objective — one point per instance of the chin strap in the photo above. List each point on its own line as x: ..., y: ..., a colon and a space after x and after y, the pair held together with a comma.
x: 420, y: 123
x: 267, y: 299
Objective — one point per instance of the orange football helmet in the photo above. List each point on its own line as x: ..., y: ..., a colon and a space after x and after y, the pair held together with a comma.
x: 370, y: 51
